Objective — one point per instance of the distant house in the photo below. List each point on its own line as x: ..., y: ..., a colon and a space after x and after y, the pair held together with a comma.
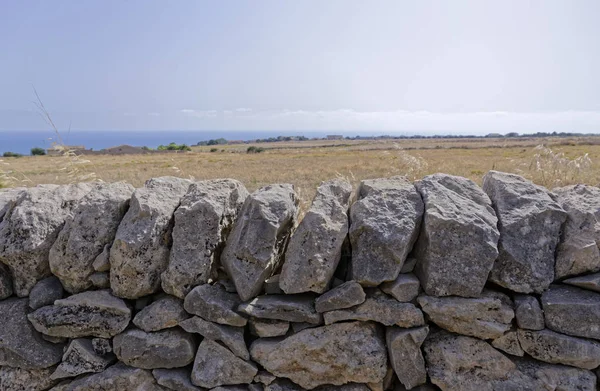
x: 57, y: 150
x: 335, y: 137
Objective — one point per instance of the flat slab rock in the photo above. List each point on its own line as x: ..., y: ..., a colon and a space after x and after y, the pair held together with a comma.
x: 342, y: 296
x: 202, y: 223
x: 216, y: 366
x: 80, y: 357
x: 164, y: 313
x: 178, y: 379
x: 458, y: 233
x: 140, y: 251
x: 265, y: 328
x: 291, y: 308
x: 385, y: 223
x: 573, y: 311
x: 530, y: 222
x: 91, y: 313
x: 487, y: 317
x: 214, y: 303
x: 590, y: 282
x: 337, y: 354
x: 18, y: 379
x: 256, y: 243
x: 310, y: 261
x: 542, y: 376
x: 118, y: 377
x: 231, y: 337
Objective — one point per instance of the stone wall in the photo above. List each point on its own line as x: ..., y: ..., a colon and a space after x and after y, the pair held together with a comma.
x: 178, y: 285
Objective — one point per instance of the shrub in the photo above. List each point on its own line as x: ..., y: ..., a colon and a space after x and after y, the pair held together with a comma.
x: 214, y: 149
x: 174, y: 147
x: 253, y: 149
x: 38, y: 151
x: 11, y: 154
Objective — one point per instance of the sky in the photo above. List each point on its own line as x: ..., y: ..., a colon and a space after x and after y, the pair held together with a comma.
x: 374, y: 66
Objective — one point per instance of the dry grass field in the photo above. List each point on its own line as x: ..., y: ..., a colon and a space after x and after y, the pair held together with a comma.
x: 305, y: 164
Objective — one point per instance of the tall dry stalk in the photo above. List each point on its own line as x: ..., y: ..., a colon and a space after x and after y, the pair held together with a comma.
x: 556, y: 169
x: 413, y: 167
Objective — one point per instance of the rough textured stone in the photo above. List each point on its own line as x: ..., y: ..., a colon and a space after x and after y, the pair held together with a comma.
x: 409, y: 265
x: 343, y: 296
x: 573, y: 311
x: 102, y: 261
x: 555, y: 348
x: 381, y: 308
x: 101, y: 346
x: 118, y: 377
x: 202, y: 223
x: 216, y: 366
x: 384, y: 226
x: 232, y: 337
x: 458, y: 363
x: 264, y: 377
x: 92, y: 226
x: 214, y: 303
x: 171, y: 348
x: 93, y: 313
x: 17, y: 379
x: 6, y: 289
x: 292, y: 308
x: 175, y: 379
x: 590, y: 282
x: 20, y: 345
x: 458, y: 233
x: 405, y: 288
x: 265, y: 328
x: 578, y: 251
x: 487, y: 317
x: 530, y: 222
x: 140, y: 252
x: 509, y: 343
x: 31, y: 226
x: 557, y: 377
x: 255, y: 246
x: 80, y: 358
x: 45, y: 292
x: 100, y: 280
x: 8, y: 198
x: 337, y: 354
x: 404, y: 349
x: 528, y: 313
x: 162, y: 314
x: 311, y: 261
x: 272, y: 285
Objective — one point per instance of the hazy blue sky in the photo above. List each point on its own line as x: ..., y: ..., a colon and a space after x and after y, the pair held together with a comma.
x: 441, y: 66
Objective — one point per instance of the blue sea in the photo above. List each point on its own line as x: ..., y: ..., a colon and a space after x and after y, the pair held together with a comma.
x: 23, y: 141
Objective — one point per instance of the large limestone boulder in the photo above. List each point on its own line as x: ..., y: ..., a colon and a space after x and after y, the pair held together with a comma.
x: 384, y: 226
x: 91, y: 313
x: 458, y: 233
x: 530, y: 222
x: 91, y: 227
x: 202, y: 223
x: 578, y: 251
x: 573, y: 311
x: 337, y: 354
x: 18, y: 379
x: 118, y: 377
x: 20, y: 345
x: 291, y: 308
x: 30, y: 227
x: 164, y: 313
x: 171, y: 348
x: 231, y: 337
x: 80, y: 357
x: 311, y: 261
x: 140, y: 252
x: 214, y: 303
x: 458, y: 363
x: 256, y: 244
x: 216, y: 366
x: 404, y: 348
x: 487, y: 317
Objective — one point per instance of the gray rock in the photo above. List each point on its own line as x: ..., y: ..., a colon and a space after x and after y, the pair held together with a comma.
x: 337, y: 354
x: 343, y: 296
x: 232, y: 388
x: 162, y: 314
x: 102, y: 261
x: 573, y: 311
x: 8, y: 198
x: 555, y: 348
x: 255, y: 246
x: 118, y: 377
x: 272, y: 285
x: 487, y: 317
x: 232, y: 337
x: 214, y: 303
x: 265, y: 328
x: 216, y: 366
x: 93, y: 313
x: 283, y: 385
x: 264, y: 377
x: 31, y: 226
x: 509, y: 343
x: 291, y: 308
x: 458, y: 363
x: 101, y: 346
x: 202, y: 223
x: 578, y: 251
x: 17, y: 379
x: 6, y: 289
x: 557, y: 377
x: 45, y: 292
x: 405, y: 288
x: 100, y: 280
x: 409, y: 265
x: 590, y: 282
x: 423, y: 387
x: 458, y: 233
x: 92, y: 226
x: 140, y: 251
x: 311, y: 261
x: 20, y: 345
x: 80, y: 358
x: 344, y: 387
x: 175, y: 379
x: 171, y: 348
x: 404, y: 349
x: 299, y: 326
x: 381, y: 308
x: 530, y: 222
x: 528, y: 313
x: 384, y: 226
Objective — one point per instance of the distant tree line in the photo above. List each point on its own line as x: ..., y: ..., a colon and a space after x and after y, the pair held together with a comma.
x: 174, y: 147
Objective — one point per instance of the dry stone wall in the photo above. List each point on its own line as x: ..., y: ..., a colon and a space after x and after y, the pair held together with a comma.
x: 179, y: 285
